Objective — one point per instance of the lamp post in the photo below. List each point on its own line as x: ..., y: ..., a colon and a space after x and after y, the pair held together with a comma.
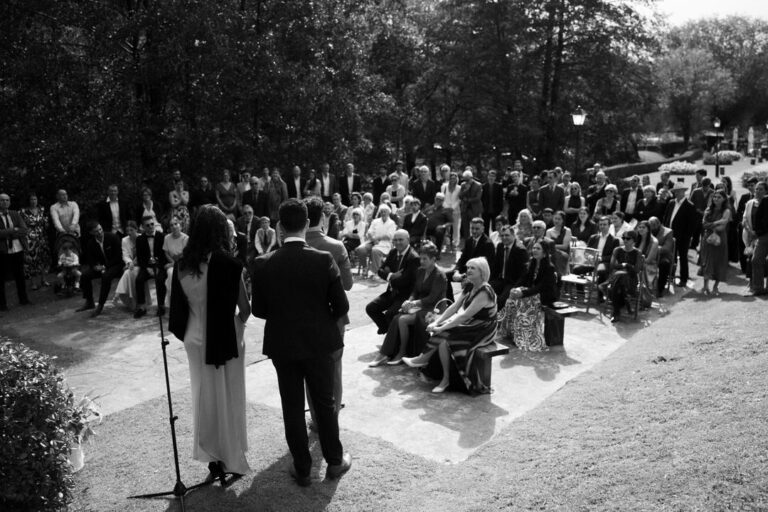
x: 578, y: 116
x: 716, y: 123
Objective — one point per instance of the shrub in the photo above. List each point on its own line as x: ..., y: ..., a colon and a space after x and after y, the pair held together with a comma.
x: 679, y: 168
x: 723, y: 158
x: 760, y: 175
x: 36, y: 431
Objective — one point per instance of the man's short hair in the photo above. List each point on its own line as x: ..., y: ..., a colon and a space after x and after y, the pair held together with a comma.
x: 440, y: 195
x: 706, y: 182
x: 752, y: 181
x: 477, y: 220
x: 701, y: 172
x: 619, y: 214
x: 146, y: 218
x: 416, y: 200
x: 314, y: 210
x: 93, y: 224
x: 293, y: 215
x: 604, y: 218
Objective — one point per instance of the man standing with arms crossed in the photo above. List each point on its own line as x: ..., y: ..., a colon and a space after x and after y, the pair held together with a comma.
x: 301, y: 340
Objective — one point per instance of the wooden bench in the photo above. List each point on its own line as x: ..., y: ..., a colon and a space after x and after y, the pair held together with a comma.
x: 484, y: 355
x: 554, y: 322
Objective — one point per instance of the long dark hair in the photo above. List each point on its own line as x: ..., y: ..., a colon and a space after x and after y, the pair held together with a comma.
x: 710, y: 212
x: 645, y: 241
x: 208, y: 234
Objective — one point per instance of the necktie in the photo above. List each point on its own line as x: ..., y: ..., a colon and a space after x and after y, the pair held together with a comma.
x: 400, y: 261
x: 504, y: 263
x: 8, y: 226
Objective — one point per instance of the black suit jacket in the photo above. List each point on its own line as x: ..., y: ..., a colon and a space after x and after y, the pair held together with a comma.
x: 333, y: 186
x: 761, y: 218
x: 610, y: 244
x: 143, y: 254
x: 291, y: 185
x: 493, y: 199
x: 554, y: 199
x: 484, y: 247
x: 379, y: 187
x: 346, y: 194
x: 646, y: 211
x: 424, y: 192
x: 300, y: 295
x: 415, y: 228
x: 684, y: 222
x: 112, y: 255
x: 402, y: 286
x: 625, y: 199
x: 517, y: 262
x: 104, y: 214
x: 258, y: 201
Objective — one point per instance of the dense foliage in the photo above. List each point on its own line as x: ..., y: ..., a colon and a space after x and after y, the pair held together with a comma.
x: 38, y: 421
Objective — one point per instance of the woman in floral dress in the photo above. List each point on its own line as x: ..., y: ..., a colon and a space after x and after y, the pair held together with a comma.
x: 38, y: 256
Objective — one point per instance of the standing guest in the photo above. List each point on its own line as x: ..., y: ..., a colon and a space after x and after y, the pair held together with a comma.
x: 681, y: 218
x: 740, y: 220
x: 248, y: 224
x: 665, y: 181
x: 450, y: 191
x: 551, y: 196
x: 316, y: 239
x: 103, y: 259
x: 439, y: 219
x: 516, y: 196
x: 478, y: 245
x: 243, y: 186
x: 492, y: 198
x: 471, y: 204
x: 509, y: 264
x: 150, y: 208
x: 597, y: 191
x: 399, y: 270
x: 583, y: 228
x: 65, y: 215
x: 759, y: 235
x: 396, y: 190
x: 312, y: 186
x: 523, y: 317
x: 402, y: 176
x: 37, y: 257
x: 265, y: 240
x: 700, y: 197
x: 301, y: 341
x: 380, y: 184
x: 209, y: 308
x: 296, y: 184
x: 112, y: 214
x: 226, y: 194
x: 532, y: 203
x: 354, y: 230
x: 647, y: 207
x: 700, y: 175
x: 730, y: 194
x: 565, y: 183
x: 424, y: 189
x: 415, y: 223
x: 277, y: 192
x: 626, y: 263
x: 203, y: 195
x: 13, y: 244
x: 349, y: 183
x: 666, y: 241
x: 524, y: 224
x: 499, y: 222
x: 574, y: 202
x: 178, y: 199
x: 546, y: 217
x: 607, y: 204
x: 328, y: 185
x: 561, y: 236
x: 256, y: 198
x: 630, y: 198
x: 151, y: 261
x: 714, y: 243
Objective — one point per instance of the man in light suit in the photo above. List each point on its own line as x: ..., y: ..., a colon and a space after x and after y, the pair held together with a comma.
x: 320, y: 241
x: 13, y: 244
x: 301, y: 297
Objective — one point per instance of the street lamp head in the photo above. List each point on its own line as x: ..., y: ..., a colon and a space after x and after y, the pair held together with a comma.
x: 716, y: 122
x: 579, y: 116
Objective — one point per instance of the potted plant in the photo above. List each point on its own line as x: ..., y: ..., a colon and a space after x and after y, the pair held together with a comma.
x: 85, y: 415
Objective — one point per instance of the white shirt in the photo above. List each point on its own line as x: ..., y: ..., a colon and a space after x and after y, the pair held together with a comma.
x: 350, y: 181
x: 385, y: 231
x: 674, y: 210
x: 601, y: 243
x: 350, y: 226
x: 114, y: 207
x: 15, y: 246
x: 297, y: 183
x: 326, y: 181
x: 66, y: 217
x: 632, y: 200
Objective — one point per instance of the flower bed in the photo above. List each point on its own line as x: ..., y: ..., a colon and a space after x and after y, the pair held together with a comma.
x: 722, y: 158
x: 681, y: 168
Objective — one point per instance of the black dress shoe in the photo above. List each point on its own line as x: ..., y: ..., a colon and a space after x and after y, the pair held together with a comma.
x: 140, y: 313
x: 335, y: 471
x: 303, y: 481
x: 85, y: 307
x: 97, y: 311
x: 216, y: 472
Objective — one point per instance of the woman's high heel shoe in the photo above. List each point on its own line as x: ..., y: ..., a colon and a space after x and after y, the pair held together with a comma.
x: 411, y: 361
x: 440, y: 389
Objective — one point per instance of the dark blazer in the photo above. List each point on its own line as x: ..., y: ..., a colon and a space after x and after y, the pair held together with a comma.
x: 379, y: 187
x: 290, y: 183
x: 471, y: 204
x: 143, y: 254
x: 200, y: 197
x: 241, y: 226
x: 424, y: 192
x: 8, y: 234
x: 113, y: 251
x: 590, y: 229
x: 742, y: 206
x: 594, y: 194
x: 104, y: 214
x: 415, y: 228
x: 484, y: 247
x: 554, y: 199
x: 625, y: 198
x: 402, y: 286
x: 300, y: 295
x: 761, y: 218
x: 610, y: 244
x: 543, y: 282
x: 429, y: 291
x: 346, y: 194
x: 333, y: 186
x: 646, y: 211
x: 257, y: 200
x: 492, y: 198
x: 685, y: 221
x: 515, y: 269
x: 224, y: 274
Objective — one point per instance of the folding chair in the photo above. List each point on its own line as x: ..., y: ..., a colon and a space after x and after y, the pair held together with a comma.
x: 578, y: 289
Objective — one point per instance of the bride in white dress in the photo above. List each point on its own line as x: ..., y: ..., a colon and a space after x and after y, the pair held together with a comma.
x: 209, y: 288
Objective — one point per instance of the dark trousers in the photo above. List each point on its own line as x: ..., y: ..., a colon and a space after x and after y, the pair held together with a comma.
x: 383, y: 309
x: 318, y: 373
x: 14, y: 264
x: 661, y: 283
x: 696, y: 235
x: 682, y: 244
x: 107, y: 276
x: 439, y: 234
x: 489, y: 219
x: 143, y: 276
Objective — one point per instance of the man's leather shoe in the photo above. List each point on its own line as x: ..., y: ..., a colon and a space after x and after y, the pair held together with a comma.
x: 335, y: 471
x: 97, y: 311
x: 140, y: 313
x: 85, y: 307
x: 303, y: 481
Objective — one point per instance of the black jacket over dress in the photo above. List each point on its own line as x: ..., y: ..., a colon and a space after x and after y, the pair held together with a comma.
x: 224, y: 274
x: 543, y: 282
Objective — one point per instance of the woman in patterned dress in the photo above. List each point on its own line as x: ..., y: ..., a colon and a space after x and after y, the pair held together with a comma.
x: 178, y: 198
x: 522, y: 318
x: 38, y: 256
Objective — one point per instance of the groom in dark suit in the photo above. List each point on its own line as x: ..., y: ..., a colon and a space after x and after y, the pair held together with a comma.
x: 301, y: 340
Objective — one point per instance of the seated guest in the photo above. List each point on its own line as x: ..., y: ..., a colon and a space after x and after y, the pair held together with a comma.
x: 399, y: 270
x: 330, y: 221
x: 378, y: 239
x: 523, y: 318
x: 532, y: 203
x: 439, y: 218
x: 666, y: 241
x: 523, y: 225
x: 649, y: 248
x: 204, y: 194
x: 647, y: 206
x: 465, y: 326
x: 499, y: 222
x: 476, y: 246
x: 618, y: 225
x: 354, y: 230
x: 265, y: 239
x: 369, y: 208
x: 631, y: 197
x: 605, y: 243
x: 539, y: 233
x: 338, y: 208
x: 546, y: 216
x: 428, y: 290
x: 151, y: 261
x: 69, y: 266
x: 396, y: 190
x: 626, y: 262
x: 561, y: 236
x: 173, y: 247
x: 248, y: 225
x: 103, y: 258
x: 357, y: 200
x: 583, y: 228
x: 126, y: 287
x: 415, y: 223
x: 608, y: 204
x: 399, y: 214
x: 509, y: 264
